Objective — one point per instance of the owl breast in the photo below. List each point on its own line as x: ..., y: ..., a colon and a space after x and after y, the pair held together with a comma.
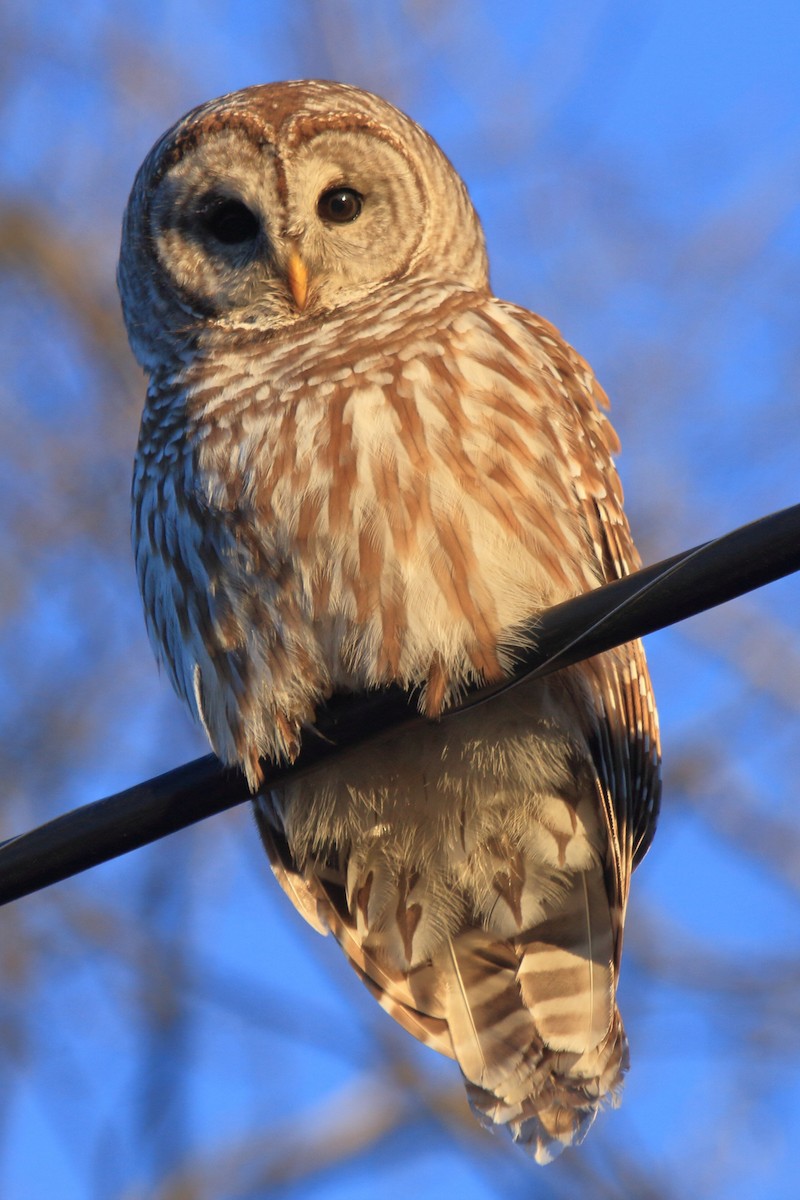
x: 358, y: 507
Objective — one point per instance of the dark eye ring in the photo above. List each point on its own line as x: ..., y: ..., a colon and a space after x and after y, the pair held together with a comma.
x: 340, y: 205
x: 230, y: 221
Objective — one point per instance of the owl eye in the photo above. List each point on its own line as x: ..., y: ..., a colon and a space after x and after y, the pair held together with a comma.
x: 340, y: 205
x: 230, y: 221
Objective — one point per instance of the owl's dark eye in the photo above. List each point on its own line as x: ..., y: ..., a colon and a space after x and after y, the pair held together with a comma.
x: 340, y: 205
x: 230, y: 221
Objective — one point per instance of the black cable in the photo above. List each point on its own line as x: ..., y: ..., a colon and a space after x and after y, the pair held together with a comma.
x: 660, y: 595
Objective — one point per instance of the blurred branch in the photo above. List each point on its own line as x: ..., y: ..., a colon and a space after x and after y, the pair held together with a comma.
x: 650, y: 599
x: 31, y: 243
x: 705, y: 782
x: 333, y: 1131
x: 363, y: 1116
x: 760, y: 648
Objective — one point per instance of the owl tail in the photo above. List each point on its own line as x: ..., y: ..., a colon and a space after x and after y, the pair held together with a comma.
x: 534, y: 1025
x: 561, y: 1109
x: 531, y: 1019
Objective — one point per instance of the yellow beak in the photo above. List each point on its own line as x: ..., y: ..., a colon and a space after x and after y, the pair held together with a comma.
x: 297, y: 275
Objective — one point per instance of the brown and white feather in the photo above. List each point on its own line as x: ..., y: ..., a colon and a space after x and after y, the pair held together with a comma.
x: 382, y: 473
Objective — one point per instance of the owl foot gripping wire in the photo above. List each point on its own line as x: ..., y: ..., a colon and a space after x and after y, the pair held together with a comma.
x: 356, y: 466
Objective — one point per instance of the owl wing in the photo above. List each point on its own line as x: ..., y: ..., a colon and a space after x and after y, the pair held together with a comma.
x: 625, y: 743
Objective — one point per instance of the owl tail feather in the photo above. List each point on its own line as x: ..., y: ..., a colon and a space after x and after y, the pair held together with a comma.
x: 534, y: 1025
x: 561, y: 1112
x: 531, y: 1019
x: 468, y: 1004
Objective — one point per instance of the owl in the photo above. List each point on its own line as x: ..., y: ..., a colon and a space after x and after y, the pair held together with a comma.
x: 356, y: 467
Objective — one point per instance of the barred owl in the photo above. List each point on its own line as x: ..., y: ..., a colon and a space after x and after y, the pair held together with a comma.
x: 357, y: 466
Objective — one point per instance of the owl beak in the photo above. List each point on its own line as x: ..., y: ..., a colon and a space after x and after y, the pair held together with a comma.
x: 297, y: 275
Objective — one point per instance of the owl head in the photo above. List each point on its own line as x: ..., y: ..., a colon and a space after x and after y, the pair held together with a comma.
x: 281, y: 203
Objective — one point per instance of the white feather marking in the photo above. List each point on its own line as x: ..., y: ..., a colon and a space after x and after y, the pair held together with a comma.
x: 197, y: 688
x: 589, y: 960
x: 465, y: 1037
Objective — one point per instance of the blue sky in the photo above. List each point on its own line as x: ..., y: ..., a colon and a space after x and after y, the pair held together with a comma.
x: 637, y: 169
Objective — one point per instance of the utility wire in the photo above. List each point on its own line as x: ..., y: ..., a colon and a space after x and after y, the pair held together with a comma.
x: 659, y: 595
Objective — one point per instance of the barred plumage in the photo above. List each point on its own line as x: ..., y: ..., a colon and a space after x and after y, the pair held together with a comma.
x: 357, y: 466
